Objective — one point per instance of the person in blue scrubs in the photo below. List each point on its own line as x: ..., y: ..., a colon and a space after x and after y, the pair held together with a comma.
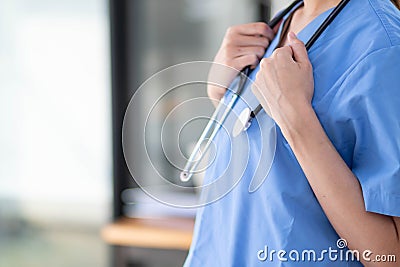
x: 334, y: 183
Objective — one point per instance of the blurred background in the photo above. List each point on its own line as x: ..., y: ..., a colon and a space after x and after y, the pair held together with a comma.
x: 68, y: 69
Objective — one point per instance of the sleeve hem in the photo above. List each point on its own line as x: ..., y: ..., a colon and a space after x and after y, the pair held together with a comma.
x: 382, y: 203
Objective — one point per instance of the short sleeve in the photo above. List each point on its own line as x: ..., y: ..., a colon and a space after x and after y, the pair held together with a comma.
x: 371, y: 95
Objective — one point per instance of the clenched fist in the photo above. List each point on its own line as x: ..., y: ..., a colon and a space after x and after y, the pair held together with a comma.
x: 242, y: 46
x: 285, y: 84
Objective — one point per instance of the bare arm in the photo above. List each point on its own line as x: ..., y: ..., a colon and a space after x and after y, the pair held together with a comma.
x: 286, y: 95
x: 339, y: 192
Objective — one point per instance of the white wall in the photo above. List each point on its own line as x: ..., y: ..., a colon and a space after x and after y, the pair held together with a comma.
x: 55, y: 137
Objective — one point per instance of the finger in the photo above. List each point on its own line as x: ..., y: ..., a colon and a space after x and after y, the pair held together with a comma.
x: 245, y: 40
x: 299, y: 50
x: 257, y: 28
x: 284, y: 53
x: 259, y: 51
x: 246, y: 60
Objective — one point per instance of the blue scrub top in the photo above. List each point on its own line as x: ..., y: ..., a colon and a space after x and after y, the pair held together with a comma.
x: 356, y: 64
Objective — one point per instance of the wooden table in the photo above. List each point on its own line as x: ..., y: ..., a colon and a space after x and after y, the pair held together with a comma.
x: 160, y: 233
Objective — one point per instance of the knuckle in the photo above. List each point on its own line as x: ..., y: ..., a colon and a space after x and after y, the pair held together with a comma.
x: 281, y: 51
x: 261, y: 27
x: 288, y: 49
x: 276, y: 53
x: 229, y: 46
x: 228, y: 39
x: 261, y: 51
x: 270, y: 32
x: 265, y: 62
x: 253, y: 58
x: 231, y: 30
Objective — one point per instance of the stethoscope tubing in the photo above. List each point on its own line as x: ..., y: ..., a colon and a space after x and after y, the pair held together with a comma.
x: 310, y: 42
x: 197, y: 155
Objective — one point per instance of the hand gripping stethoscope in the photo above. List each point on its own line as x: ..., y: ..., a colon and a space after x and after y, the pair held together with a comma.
x: 246, y: 117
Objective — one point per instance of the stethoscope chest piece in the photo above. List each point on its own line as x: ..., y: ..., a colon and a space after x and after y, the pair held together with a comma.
x: 242, y: 123
x: 246, y: 116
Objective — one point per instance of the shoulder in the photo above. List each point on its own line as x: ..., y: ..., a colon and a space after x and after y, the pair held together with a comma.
x: 374, y: 33
x: 363, y: 30
x: 370, y: 24
x: 387, y: 19
x: 374, y: 81
x: 380, y: 65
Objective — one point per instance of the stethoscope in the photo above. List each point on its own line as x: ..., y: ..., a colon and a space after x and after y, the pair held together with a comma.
x: 246, y: 116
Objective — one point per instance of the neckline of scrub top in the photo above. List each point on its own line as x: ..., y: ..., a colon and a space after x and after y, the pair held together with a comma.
x: 304, y: 35
x: 308, y: 30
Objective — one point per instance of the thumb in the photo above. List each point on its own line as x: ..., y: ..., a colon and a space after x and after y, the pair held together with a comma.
x: 299, y: 49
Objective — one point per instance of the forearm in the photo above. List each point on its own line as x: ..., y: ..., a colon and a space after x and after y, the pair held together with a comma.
x: 337, y: 189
